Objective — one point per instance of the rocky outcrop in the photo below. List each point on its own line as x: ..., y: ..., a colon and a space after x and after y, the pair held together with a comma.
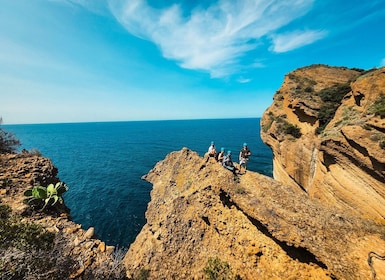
x: 260, y: 228
x: 326, y: 128
x: 76, y: 253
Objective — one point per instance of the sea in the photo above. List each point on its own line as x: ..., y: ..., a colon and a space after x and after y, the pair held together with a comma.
x: 102, y: 163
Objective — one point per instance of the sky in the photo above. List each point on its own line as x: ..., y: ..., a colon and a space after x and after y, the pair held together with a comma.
x: 126, y: 60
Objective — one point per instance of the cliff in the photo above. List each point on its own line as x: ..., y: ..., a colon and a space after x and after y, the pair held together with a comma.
x: 326, y: 128
x: 74, y: 252
x: 252, y: 225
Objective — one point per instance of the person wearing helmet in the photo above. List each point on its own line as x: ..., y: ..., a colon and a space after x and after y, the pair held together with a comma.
x: 212, y: 151
x: 228, y: 163
x: 244, y: 155
x: 221, y: 155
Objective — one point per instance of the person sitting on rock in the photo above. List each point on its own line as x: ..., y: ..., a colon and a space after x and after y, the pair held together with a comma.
x: 228, y: 163
x: 221, y: 155
x: 212, y: 151
x: 244, y: 155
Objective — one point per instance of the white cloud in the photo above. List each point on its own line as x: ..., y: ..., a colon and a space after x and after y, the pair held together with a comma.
x: 296, y: 39
x: 243, y: 80
x: 215, y: 38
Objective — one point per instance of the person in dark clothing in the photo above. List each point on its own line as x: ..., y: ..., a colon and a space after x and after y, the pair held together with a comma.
x: 244, y: 155
x: 228, y: 163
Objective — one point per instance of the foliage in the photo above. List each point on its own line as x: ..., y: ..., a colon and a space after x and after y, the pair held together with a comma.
x: 332, y: 98
x: 288, y: 128
x: 28, y: 251
x: 42, y: 197
x: 217, y: 269
x: 143, y: 274
x: 378, y: 107
x: 382, y: 144
x: 293, y: 130
x: 8, y: 142
x: 16, y: 233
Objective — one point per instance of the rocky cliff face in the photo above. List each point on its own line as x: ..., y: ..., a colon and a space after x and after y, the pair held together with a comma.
x: 326, y: 128
x: 75, y: 252
x: 252, y: 226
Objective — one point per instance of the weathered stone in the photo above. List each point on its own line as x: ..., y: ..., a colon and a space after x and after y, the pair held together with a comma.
x: 89, y: 233
x: 102, y: 247
x: 344, y: 166
x: 295, y: 236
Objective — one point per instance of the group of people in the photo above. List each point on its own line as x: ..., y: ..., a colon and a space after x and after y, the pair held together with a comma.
x: 225, y: 158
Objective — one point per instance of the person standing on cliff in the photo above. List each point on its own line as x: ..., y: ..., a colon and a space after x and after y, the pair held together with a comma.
x: 244, y: 155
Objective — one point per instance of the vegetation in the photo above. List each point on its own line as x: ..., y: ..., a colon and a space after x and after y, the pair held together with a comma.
x: 332, y: 98
x: 8, y: 142
x: 25, y: 248
x: 143, y: 274
x: 291, y: 129
x: 21, y: 235
x: 41, y: 197
x: 217, y: 269
x: 283, y: 125
x: 378, y: 107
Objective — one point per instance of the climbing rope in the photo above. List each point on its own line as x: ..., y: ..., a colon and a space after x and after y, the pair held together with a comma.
x: 370, y: 262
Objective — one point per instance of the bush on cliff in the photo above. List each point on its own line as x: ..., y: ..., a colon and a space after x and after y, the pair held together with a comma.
x: 378, y: 107
x: 8, y: 142
x: 26, y: 249
x: 332, y: 98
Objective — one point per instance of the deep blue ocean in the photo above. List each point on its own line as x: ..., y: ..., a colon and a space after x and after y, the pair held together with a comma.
x: 102, y: 163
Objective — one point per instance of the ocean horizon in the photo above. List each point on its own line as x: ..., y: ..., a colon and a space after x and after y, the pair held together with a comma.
x: 103, y: 163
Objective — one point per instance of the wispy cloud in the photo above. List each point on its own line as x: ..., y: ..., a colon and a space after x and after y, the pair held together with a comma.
x: 215, y: 38
x: 295, y: 39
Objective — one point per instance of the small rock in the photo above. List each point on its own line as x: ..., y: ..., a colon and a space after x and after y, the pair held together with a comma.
x: 79, y: 272
x: 89, y: 233
x: 102, y: 247
x: 76, y: 242
x: 110, y: 249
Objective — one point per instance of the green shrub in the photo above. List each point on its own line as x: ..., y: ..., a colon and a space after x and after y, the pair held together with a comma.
x: 288, y: 128
x: 382, y: 144
x: 217, y: 269
x: 42, y: 197
x: 8, y: 142
x: 378, y: 107
x: 21, y: 235
x: 143, y: 274
x: 332, y: 98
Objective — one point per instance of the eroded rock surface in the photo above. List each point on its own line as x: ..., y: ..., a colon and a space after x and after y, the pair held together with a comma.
x: 76, y: 252
x: 341, y: 161
x: 263, y: 229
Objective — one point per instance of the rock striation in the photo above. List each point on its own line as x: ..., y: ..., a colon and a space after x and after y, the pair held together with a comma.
x: 261, y: 228
x: 326, y: 128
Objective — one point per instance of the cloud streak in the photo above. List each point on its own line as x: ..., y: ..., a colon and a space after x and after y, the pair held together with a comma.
x: 293, y: 40
x: 215, y: 38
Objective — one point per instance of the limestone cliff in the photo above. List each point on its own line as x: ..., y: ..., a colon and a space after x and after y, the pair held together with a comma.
x: 326, y: 128
x: 258, y: 227
x: 75, y: 252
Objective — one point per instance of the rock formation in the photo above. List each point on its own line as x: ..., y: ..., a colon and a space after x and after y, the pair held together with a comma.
x: 326, y: 128
x: 261, y: 228
x: 321, y: 217
x: 75, y: 253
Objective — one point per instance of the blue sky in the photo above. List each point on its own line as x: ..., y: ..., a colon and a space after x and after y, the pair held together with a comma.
x: 121, y: 60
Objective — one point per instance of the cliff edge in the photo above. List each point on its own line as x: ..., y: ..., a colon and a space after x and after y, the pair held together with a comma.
x: 326, y: 128
x: 252, y: 226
